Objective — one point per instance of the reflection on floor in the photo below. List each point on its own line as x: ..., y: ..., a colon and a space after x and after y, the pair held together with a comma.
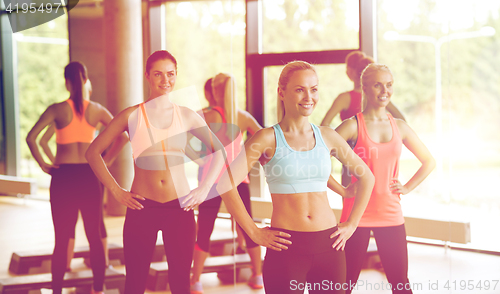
x: 26, y: 224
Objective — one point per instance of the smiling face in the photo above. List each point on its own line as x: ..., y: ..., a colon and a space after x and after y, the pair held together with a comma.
x: 161, y: 77
x: 378, y: 88
x: 300, y: 95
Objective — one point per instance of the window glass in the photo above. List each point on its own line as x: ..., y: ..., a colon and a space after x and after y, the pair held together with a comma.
x: 302, y: 25
x: 42, y: 54
x: 438, y: 56
x: 215, y: 43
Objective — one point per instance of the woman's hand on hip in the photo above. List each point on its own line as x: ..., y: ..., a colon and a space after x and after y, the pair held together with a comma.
x: 398, y: 188
x: 47, y: 168
x: 344, y: 232
x: 128, y: 199
x: 195, y: 197
x: 272, y: 239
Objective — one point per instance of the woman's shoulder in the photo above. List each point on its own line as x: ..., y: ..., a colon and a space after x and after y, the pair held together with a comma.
x: 351, y: 122
x: 263, y: 134
x: 403, y: 127
x: 58, y: 107
x: 212, y: 115
x: 348, y: 129
x: 96, y: 106
x: 344, y: 97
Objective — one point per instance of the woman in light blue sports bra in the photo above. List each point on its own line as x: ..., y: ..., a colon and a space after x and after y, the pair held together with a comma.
x: 305, y: 240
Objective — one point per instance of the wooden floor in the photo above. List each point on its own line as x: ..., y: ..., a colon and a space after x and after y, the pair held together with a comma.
x: 26, y: 224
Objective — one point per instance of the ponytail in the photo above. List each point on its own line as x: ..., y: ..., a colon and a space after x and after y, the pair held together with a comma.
x: 76, y: 73
x: 224, y: 85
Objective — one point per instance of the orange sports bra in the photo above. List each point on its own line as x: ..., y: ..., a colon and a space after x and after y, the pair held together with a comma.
x: 148, y: 141
x: 78, y: 130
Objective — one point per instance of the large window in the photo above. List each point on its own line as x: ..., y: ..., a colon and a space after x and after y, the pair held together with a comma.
x: 42, y: 54
x: 301, y: 25
x: 212, y: 40
x: 446, y: 83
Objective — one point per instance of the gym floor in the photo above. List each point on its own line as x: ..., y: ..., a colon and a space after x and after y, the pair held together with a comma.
x: 25, y: 224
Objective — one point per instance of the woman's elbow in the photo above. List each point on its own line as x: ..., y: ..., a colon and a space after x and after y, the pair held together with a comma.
x: 430, y: 163
x: 90, y: 153
x: 368, y: 178
x: 30, y: 139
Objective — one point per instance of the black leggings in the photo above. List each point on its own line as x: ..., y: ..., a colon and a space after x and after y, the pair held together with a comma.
x: 74, y: 187
x: 309, y: 262
x: 207, y: 213
x: 104, y: 233
x: 139, y: 240
x: 393, y: 252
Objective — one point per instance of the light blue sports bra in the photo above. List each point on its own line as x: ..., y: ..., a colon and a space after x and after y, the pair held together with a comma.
x: 291, y: 171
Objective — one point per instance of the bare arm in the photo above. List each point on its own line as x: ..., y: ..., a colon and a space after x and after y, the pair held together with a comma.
x: 335, y: 186
x: 105, y: 119
x: 363, y: 187
x: 114, y: 129
x: 44, y: 143
x: 345, y: 192
x: 251, y: 125
x: 394, y: 111
x: 340, y: 103
x: 200, y: 130
x: 255, y: 148
x: 415, y: 145
x: 47, y: 118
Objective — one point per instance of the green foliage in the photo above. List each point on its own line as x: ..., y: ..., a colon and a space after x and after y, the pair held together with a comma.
x: 40, y: 69
x: 294, y: 26
x: 198, y: 35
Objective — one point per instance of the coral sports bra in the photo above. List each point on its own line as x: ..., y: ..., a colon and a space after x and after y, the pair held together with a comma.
x: 78, y: 130
x: 147, y: 140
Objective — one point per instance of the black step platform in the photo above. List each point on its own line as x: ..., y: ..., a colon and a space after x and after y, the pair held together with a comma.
x: 158, y: 272
x: 38, y: 261
x: 81, y: 280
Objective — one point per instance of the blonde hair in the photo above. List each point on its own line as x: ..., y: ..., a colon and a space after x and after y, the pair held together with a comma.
x: 224, y: 86
x: 286, y: 74
x: 366, y: 76
x: 370, y: 70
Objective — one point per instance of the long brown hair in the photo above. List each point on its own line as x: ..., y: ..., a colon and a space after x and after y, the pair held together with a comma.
x: 76, y: 73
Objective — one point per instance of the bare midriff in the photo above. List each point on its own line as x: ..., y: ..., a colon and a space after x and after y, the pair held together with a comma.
x: 304, y: 212
x: 71, y: 153
x: 160, y: 185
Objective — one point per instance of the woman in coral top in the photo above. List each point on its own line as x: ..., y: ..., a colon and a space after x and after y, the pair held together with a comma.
x: 378, y: 138
x: 160, y: 197
x: 74, y: 186
x: 347, y: 104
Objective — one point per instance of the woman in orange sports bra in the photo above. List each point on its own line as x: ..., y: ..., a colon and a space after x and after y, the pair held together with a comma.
x: 74, y: 186
x: 378, y: 138
x: 160, y: 197
x: 44, y: 143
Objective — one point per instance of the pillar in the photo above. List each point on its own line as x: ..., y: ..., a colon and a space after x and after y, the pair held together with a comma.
x: 124, y: 77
